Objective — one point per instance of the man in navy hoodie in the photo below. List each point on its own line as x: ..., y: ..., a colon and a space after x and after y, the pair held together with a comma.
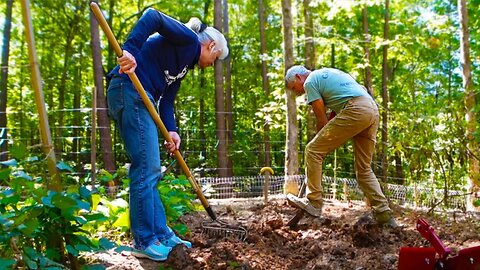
x: 160, y: 50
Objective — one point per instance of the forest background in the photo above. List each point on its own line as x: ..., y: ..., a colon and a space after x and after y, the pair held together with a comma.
x: 416, y: 58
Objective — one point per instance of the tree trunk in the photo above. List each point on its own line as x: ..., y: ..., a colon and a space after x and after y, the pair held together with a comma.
x: 228, y: 94
x: 202, y: 119
x: 263, y: 52
x: 384, y: 126
x: 3, y: 81
x: 310, y: 59
x: 77, y: 119
x: 102, y: 116
x: 399, y: 175
x: 291, y: 143
x: 203, y: 138
x: 220, y: 102
x: 469, y: 99
x: 366, y: 49
x: 67, y: 58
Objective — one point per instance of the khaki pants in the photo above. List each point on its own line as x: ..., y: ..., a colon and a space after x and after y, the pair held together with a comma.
x: 358, y: 121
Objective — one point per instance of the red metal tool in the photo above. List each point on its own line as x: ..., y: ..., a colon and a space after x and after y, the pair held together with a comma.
x: 436, y: 256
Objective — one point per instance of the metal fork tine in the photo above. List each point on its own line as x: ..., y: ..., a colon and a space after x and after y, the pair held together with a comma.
x: 223, y: 229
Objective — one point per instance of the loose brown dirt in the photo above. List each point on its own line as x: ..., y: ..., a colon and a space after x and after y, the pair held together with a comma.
x: 345, y: 237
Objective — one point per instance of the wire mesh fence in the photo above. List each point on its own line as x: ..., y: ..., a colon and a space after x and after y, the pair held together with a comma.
x: 343, y: 189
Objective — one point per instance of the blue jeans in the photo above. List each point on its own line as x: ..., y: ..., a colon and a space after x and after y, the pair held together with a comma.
x: 148, y: 222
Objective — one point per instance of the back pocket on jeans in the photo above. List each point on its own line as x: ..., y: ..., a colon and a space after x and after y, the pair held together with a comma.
x: 115, y: 100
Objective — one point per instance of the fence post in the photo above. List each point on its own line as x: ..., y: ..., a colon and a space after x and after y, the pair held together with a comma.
x: 266, y: 171
x: 93, y: 146
x: 335, y: 175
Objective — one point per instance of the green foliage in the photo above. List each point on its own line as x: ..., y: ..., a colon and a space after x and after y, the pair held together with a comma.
x: 476, y: 203
x: 177, y: 197
x: 175, y: 193
x: 30, y: 215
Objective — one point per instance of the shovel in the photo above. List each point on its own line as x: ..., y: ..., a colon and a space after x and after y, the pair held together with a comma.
x: 215, y: 227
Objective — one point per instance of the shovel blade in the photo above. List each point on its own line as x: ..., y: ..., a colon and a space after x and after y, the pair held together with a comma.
x: 416, y: 258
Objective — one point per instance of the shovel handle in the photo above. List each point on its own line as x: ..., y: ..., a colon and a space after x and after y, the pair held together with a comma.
x: 151, y: 109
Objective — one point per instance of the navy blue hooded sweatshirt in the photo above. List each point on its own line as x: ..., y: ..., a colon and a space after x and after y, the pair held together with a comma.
x: 165, y: 49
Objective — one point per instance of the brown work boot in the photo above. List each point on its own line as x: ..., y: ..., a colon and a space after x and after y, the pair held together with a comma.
x: 314, y: 209
x: 385, y: 219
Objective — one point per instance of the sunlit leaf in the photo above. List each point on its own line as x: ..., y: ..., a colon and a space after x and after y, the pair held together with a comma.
x: 9, y: 163
x: 30, y: 226
x: 18, y: 151
x: 84, y: 192
x: 72, y: 250
x: 5, y: 173
x: 95, y: 201
x: 62, y: 166
x: 63, y: 202
x: 123, y: 220
x: 106, y: 244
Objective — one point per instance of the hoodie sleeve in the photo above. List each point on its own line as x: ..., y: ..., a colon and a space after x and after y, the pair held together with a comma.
x: 166, y: 106
x: 153, y: 21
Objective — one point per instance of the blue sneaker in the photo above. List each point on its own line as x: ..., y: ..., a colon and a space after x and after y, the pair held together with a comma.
x: 175, y: 240
x: 156, y: 252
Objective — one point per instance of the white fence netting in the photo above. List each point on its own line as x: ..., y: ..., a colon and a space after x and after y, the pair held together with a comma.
x: 343, y: 189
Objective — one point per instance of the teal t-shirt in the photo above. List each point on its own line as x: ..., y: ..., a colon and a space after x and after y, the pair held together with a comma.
x: 334, y: 86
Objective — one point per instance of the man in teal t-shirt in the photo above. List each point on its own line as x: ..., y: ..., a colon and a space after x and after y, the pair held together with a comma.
x: 356, y: 118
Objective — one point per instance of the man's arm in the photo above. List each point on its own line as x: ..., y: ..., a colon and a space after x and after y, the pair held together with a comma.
x: 166, y: 109
x: 320, y: 112
x: 153, y: 21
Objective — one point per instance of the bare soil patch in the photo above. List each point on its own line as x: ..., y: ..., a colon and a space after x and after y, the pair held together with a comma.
x: 345, y: 237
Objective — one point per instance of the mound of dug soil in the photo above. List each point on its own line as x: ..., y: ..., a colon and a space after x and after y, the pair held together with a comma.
x: 345, y: 237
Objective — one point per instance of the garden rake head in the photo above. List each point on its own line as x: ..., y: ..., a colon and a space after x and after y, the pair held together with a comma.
x: 217, y: 228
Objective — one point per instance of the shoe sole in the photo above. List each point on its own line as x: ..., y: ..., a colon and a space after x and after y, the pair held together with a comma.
x: 293, y: 199
x: 176, y: 244
x: 146, y: 256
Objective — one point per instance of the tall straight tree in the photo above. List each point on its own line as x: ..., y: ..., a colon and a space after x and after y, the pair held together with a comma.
x: 291, y: 141
x: 202, y: 117
x: 228, y: 93
x: 385, y: 96
x: 72, y: 30
x: 309, y: 63
x: 222, y: 154
x: 77, y: 119
x: 265, y: 87
x: 469, y: 99
x: 3, y: 81
x: 366, y: 49
x: 102, y: 117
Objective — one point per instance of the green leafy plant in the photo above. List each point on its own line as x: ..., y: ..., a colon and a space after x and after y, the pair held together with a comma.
x: 33, y: 217
x: 175, y: 193
x: 177, y: 200
x: 476, y: 203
